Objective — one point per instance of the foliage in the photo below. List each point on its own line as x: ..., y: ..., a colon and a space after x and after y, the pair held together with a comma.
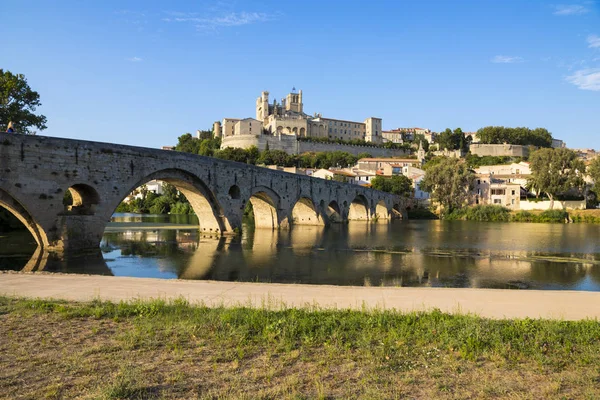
x: 552, y: 216
x: 18, y: 104
x: 475, y: 161
x: 356, y: 142
x: 419, y: 139
x: 205, y: 146
x: 593, y: 171
x: 555, y: 171
x: 276, y: 157
x: 421, y: 213
x: 488, y: 213
x: 397, y: 184
x: 453, y: 140
x: 448, y: 180
x: 170, y: 202
x: 539, y: 137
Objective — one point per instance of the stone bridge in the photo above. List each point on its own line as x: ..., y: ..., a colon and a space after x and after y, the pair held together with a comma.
x: 36, y: 172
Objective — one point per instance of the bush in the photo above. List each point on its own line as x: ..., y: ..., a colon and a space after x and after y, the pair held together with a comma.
x: 483, y: 213
x: 421, y: 213
x: 553, y: 216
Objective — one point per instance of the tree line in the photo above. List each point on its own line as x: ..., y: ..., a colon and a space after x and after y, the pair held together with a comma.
x: 210, y: 147
x: 171, y: 201
x: 539, y: 137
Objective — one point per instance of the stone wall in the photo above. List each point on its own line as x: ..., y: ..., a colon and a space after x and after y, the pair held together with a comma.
x: 291, y: 145
x: 499, y: 150
x: 558, y: 205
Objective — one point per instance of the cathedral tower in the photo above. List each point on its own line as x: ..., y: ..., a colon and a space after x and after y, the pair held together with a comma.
x: 262, y: 106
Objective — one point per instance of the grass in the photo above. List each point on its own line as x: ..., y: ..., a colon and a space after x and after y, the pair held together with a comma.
x: 158, y: 349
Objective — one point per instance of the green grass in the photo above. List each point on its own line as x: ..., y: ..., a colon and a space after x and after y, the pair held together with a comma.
x: 130, y: 349
x: 488, y: 213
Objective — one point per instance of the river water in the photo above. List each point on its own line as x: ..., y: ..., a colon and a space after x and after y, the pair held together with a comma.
x: 401, y: 253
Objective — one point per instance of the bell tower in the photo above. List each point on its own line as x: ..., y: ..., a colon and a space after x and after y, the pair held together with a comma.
x: 262, y: 106
x: 293, y: 101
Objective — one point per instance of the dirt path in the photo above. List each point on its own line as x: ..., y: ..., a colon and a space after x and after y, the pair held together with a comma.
x: 492, y: 303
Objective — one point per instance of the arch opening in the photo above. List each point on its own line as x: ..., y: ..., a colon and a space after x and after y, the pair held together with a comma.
x: 359, y: 209
x: 81, y: 199
x: 264, y: 210
x: 333, y: 212
x: 381, y: 211
x: 19, y: 212
x: 175, y: 192
x: 234, y: 192
x: 304, y: 212
x: 397, y: 212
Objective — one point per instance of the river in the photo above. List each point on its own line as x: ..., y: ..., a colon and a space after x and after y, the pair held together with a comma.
x: 401, y: 253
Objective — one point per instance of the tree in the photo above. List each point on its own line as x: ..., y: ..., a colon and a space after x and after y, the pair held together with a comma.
x: 593, y: 171
x: 555, y: 171
x: 452, y: 140
x: 539, y: 137
x: 397, y: 184
x: 18, y: 104
x: 449, y: 181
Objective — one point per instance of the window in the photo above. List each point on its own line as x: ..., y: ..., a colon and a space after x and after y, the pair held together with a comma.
x: 513, y: 201
x: 513, y: 193
x: 479, y: 181
x: 497, y: 201
x: 499, y: 192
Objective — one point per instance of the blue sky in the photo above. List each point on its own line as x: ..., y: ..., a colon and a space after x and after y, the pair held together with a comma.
x: 145, y: 72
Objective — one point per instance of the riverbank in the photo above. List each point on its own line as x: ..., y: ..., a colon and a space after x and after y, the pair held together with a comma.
x: 158, y: 349
x: 488, y: 303
x: 491, y: 213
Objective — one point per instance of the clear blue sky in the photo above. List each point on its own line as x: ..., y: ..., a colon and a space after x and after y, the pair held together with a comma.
x: 145, y: 72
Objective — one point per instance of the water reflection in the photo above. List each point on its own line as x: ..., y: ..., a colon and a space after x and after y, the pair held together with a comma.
x: 409, y: 253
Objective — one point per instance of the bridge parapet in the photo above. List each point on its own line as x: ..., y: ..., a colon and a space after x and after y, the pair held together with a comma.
x: 36, y: 172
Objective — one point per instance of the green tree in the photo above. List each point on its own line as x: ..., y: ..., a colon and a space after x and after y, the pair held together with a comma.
x: 452, y: 140
x: 18, y: 104
x: 188, y: 144
x: 449, y: 181
x: 555, y: 172
x: 539, y: 137
x: 397, y: 184
x: 593, y: 171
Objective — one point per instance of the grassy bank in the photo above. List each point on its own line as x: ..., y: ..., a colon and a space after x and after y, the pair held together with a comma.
x: 490, y: 213
x: 155, y: 349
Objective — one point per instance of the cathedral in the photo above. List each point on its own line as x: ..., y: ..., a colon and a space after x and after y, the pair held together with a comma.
x: 288, y: 118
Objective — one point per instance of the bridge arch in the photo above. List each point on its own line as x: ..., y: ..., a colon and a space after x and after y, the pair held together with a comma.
x: 397, y: 211
x: 381, y: 210
x: 201, y: 198
x: 16, y: 208
x: 359, y: 209
x: 334, y: 213
x: 304, y: 212
x: 265, y: 203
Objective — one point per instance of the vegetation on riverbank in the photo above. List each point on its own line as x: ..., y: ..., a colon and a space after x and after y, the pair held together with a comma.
x: 491, y: 213
x: 156, y: 349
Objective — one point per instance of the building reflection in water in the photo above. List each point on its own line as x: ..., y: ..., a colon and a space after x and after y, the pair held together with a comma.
x: 402, y: 253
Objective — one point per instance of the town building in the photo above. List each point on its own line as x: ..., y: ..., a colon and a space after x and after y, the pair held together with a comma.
x: 402, y: 135
x: 377, y: 164
x: 289, y: 118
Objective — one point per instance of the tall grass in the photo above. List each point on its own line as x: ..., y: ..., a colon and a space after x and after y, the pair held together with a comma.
x: 487, y: 213
x: 388, y: 336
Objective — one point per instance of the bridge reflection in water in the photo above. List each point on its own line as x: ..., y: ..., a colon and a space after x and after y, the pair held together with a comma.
x: 418, y: 253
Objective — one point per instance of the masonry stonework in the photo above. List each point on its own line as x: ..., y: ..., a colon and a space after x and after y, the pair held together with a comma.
x: 36, y: 171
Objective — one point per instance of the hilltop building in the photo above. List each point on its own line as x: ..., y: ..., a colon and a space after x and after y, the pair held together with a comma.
x: 289, y: 118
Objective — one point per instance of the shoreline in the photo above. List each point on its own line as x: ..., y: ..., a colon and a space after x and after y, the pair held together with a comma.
x: 486, y: 303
